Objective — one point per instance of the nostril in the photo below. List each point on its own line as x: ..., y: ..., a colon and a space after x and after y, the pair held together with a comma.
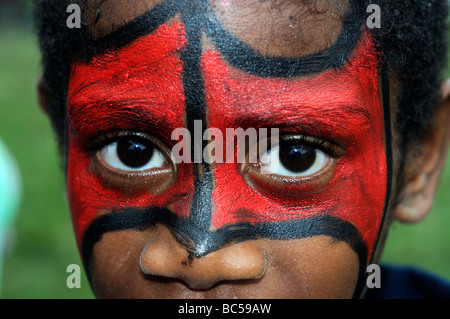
x: 241, y: 261
x: 163, y: 256
x: 166, y: 257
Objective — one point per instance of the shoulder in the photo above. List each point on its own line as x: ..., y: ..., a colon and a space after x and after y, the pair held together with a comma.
x: 409, y: 283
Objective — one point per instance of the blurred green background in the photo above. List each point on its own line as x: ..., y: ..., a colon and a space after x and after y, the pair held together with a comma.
x: 41, y: 244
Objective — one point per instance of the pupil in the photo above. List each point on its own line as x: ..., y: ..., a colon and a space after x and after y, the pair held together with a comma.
x: 296, y: 157
x: 133, y: 153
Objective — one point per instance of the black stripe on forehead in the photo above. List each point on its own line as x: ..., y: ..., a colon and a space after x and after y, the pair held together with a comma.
x: 139, y: 27
x: 235, y: 51
x: 191, y: 235
x: 241, y: 56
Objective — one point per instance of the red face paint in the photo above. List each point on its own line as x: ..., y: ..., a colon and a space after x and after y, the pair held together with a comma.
x: 341, y: 106
x: 140, y: 88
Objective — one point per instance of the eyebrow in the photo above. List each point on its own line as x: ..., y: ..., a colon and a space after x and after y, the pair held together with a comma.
x: 331, y: 115
x: 311, y: 107
x: 340, y: 119
x: 99, y: 117
x: 102, y: 117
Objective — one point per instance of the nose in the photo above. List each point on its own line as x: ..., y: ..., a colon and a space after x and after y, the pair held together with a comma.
x: 164, y: 256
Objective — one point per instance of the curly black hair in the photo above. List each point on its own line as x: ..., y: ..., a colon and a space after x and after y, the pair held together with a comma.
x: 412, y: 43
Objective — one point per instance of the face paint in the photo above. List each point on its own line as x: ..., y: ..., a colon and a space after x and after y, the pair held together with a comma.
x: 317, y: 106
x: 120, y: 92
x: 164, y: 81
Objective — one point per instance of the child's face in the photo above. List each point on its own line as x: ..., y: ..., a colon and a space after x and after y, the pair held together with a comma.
x: 305, y: 225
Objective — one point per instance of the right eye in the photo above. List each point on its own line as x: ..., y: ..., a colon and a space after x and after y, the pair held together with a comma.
x: 132, y: 154
x: 294, y: 166
x: 133, y: 161
x: 294, y: 160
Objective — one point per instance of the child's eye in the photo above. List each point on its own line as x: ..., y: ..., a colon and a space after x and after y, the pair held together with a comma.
x: 132, y: 154
x: 292, y: 159
x: 133, y: 161
x: 294, y: 166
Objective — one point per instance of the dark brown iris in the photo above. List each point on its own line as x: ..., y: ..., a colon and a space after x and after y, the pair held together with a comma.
x: 134, y: 152
x: 296, y: 157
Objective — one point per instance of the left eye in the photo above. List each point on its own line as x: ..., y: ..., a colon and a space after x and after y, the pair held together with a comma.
x: 293, y: 159
x: 132, y: 154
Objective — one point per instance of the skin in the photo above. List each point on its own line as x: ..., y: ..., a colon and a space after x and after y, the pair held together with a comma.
x: 155, y: 263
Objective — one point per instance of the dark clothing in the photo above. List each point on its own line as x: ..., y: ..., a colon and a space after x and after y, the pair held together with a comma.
x: 409, y: 283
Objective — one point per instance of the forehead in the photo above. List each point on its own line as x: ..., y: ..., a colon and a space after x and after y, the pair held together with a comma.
x: 283, y: 28
x: 179, y: 46
x: 249, y: 36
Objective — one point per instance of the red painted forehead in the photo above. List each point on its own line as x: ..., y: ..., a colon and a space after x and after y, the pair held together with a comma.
x: 141, y: 88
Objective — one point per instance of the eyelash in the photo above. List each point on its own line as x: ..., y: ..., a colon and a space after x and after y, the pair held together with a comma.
x: 330, y: 148
x: 111, y: 137
x: 116, y: 179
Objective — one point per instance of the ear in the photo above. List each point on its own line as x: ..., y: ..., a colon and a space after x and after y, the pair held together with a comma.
x: 44, y: 96
x: 423, y: 172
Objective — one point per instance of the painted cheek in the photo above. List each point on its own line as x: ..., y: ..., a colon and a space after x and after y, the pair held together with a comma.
x: 357, y: 189
x: 143, y: 77
x: 89, y: 197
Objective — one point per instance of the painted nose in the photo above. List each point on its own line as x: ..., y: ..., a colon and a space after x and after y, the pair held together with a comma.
x: 166, y: 257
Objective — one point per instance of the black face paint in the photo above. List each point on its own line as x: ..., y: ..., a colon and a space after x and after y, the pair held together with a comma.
x: 188, y: 232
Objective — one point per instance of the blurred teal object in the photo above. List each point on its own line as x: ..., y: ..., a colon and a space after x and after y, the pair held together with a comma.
x: 10, y: 194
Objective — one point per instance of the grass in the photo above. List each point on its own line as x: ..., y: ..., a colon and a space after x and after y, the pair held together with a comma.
x: 43, y: 244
